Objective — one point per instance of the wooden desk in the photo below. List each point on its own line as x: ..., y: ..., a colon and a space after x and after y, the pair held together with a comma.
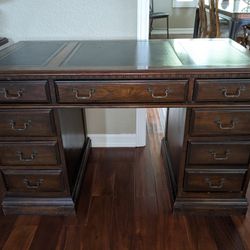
x: 45, y: 86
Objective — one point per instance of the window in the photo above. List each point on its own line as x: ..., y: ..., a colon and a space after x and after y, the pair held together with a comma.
x: 185, y: 3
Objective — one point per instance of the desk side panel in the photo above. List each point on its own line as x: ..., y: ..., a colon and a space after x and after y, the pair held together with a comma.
x: 73, y: 136
x: 175, y: 137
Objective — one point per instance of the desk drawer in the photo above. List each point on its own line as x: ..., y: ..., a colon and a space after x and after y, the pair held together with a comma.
x: 27, y: 123
x: 29, y: 154
x: 19, y: 181
x: 220, y: 122
x: 218, y: 153
x: 214, y: 181
x: 24, y: 92
x: 152, y: 91
x: 222, y: 90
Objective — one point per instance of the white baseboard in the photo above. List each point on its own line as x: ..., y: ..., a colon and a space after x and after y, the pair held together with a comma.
x: 113, y: 140
x: 174, y: 31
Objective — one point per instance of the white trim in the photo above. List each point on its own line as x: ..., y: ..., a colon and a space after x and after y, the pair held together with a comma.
x: 141, y: 124
x: 142, y: 19
x: 162, y: 116
x: 142, y: 34
x: 174, y: 31
x: 113, y: 140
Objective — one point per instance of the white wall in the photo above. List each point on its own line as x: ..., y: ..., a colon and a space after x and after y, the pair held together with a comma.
x: 75, y: 19
x: 125, y: 121
x: 64, y: 19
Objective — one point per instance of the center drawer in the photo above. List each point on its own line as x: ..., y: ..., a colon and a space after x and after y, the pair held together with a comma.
x: 29, y: 153
x: 220, y: 122
x: 120, y: 91
x: 18, y: 181
x: 218, y: 153
x: 26, y: 123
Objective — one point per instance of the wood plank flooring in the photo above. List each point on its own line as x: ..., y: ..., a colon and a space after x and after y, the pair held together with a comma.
x: 124, y: 204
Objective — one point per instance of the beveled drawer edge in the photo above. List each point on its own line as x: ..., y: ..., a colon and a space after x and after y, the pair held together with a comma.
x: 217, y: 81
x: 216, y: 171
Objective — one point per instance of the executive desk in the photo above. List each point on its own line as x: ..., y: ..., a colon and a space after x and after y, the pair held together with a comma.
x: 45, y: 86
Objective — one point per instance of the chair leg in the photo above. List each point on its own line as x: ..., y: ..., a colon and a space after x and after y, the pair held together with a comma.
x: 245, y: 35
x: 167, y: 28
x: 150, y: 26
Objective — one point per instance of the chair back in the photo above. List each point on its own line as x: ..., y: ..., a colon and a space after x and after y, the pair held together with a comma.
x: 202, y: 32
x: 213, y: 23
x: 214, y: 26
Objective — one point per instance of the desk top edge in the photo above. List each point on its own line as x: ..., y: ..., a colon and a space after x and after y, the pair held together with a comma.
x: 123, y: 55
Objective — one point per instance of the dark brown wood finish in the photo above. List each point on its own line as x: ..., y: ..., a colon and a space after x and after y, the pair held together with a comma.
x: 22, y: 181
x: 220, y: 122
x: 57, y: 79
x: 214, y: 181
x: 219, y: 153
x: 24, y: 92
x: 27, y: 123
x: 29, y: 153
x: 227, y: 90
x: 124, y: 219
x: 150, y: 91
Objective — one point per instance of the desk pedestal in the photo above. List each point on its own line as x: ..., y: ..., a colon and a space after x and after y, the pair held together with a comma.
x: 46, y: 176
x: 206, y: 173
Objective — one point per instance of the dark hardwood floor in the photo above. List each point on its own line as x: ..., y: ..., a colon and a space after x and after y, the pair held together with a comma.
x: 124, y: 204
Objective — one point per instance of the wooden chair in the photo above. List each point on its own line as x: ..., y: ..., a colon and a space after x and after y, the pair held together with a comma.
x: 214, y: 30
x: 157, y: 15
x: 209, y: 28
x: 244, y: 39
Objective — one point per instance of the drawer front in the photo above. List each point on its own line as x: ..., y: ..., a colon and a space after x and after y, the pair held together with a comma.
x: 29, y: 154
x: 27, y: 123
x: 220, y: 122
x: 33, y: 181
x: 222, y: 90
x: 24, y: 92
x: 207, y: 181
x: 153, y: 91
x: 218, y: 153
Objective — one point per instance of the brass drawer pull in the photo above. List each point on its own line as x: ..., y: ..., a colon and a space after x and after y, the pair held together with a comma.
x: 89, y: 96
x: 26, y: 159
x: 220, y: 157
x: 31, y: 185
x: 213, y: 186
x: 229, y: 95
x: 227, y: 126
x: 9, y: 96
x: 24, y: 127
x: 158, y: 96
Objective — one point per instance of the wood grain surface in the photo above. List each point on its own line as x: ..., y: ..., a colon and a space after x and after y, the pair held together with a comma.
x: 124, y: 204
